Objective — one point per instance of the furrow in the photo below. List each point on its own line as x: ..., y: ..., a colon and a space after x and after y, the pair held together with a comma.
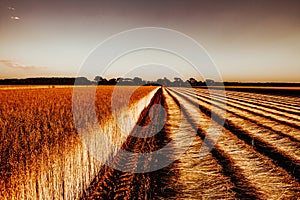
x: 231, y: 163
x: 200, y: 177
x: 280, y: 128
x: 287, y: 101
x: 257, y: 159
x: 265, y: 102
x: 289, y: 113
x: 281, y: 119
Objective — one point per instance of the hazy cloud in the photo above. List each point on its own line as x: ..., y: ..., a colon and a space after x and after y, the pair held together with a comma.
x: 15, y: 17
x: 11, y: 8
x: 12, y: 64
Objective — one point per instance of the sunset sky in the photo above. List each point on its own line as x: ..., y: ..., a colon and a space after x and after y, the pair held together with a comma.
x: 248, y: 40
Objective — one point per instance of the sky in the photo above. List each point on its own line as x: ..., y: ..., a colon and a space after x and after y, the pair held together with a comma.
x: 248, y: 40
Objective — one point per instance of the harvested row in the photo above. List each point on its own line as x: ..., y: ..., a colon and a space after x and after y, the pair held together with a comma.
x: 248, y: 116
x: 246, y: 164
x: 278, y: 106
x: 200, y: 176
x: 281, y: 118
x: 284, y: 152
x: 285, y: 101
x: 288, y: 113
x: 260, y: 119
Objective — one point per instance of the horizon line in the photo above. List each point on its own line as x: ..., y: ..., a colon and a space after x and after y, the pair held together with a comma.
x: 224, y: 81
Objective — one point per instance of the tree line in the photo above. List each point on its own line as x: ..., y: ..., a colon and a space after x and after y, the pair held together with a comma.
x: 98, y: 80
x: 139, y: 81
x: 176, y: 82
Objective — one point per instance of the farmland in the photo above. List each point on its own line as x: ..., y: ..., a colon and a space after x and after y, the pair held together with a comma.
x: 255, y: 139
x: 42, y: 156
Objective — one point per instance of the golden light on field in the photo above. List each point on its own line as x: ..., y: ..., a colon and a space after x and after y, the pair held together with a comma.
x: 149, y: 99
x: 41, y: 153
x: 43, y: 156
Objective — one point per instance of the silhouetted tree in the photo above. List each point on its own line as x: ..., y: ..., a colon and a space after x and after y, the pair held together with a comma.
x: 178, y: 82
x: 160, y: 81
x: 192, y: 82
x: 137, y: 81
x: 119, y: 80
x: 82, y: 81
x: 112, y: 81
x: 209, y: 82
x: 167, y: 82
x: 98, y: 78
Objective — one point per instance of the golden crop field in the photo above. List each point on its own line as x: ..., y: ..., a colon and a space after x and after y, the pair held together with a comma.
x: 41, y: 154
x: 249, y: 149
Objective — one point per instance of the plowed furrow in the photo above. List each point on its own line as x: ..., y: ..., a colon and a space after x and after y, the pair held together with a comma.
x: 280, y: 118
x: 287, y: 101
x: 282, y: 129
x: 278, y: 106
x: 200, y: 176
x: 242, y: 162
x: 255, y: 103
x: 250, y: 134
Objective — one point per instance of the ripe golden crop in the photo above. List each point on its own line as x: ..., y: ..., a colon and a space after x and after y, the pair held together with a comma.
x: 41, y: 155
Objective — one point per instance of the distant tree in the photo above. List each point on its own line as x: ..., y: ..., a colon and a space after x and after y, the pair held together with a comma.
x: 112, y: 81
x: 186, y: 83
x: 119, y: 80
x: 137, y: 81
x: 160, y: 81
x: 82, y: 81
x: 178, y: 82
x: 209, y: 82
x: 163, y: 82
x: 98, y: 79
x: 192, y: 81
x: 167, y: 82
x: 200, y: 83
x: 125, y: 81
x: 103, y: 82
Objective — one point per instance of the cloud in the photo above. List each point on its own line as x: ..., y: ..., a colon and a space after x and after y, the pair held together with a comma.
x: 11, y: 8
x: 15, y: 17
x: 12, y: 64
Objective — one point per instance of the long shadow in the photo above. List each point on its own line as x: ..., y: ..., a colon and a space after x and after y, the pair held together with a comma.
x: 243, y: 188
x: 279, y: 133
x: 280, y: 159
x: 260, y: 104
x: 281, y: 92
x: 114, y: 184
x: 259, y: 114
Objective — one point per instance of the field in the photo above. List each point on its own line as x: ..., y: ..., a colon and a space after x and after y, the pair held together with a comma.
x: 42, y: 155
x: 250, y: 150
